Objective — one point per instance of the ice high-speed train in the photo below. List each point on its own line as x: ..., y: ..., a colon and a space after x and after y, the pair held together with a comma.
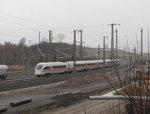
x: 47, y: 68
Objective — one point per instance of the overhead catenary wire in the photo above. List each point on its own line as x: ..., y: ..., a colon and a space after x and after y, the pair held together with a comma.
x: 55, y: 28
x: 47, y: 27
x: 20, y: 18
x: 12, y: 35
x: 6, y: 19
x: 42, y: 26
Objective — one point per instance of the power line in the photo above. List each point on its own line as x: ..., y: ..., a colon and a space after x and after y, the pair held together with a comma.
x: 83, y: 27
x: 46, y: 27
x: 22, y: 19
x: 6, y: 34
x: 58, y: 28
x: 18, y: 29
x: 6, y: 19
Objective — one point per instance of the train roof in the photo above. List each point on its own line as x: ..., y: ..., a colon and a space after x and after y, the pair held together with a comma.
x: 77, y: 62
x: 51, y: 63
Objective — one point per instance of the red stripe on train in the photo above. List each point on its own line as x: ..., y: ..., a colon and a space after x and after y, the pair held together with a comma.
x: 92, y: 66
x: 56, y: 69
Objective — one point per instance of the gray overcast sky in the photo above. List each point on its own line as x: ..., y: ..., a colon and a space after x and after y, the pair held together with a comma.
x: 131, y: 14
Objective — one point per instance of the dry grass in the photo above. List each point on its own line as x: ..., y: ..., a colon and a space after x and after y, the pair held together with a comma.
x: 135, y: 89
x: 16, y: 67
x: 89, y: 78
x: 84, y: 80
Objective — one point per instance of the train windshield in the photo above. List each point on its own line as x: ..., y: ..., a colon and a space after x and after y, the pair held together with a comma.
x: 39, y: 67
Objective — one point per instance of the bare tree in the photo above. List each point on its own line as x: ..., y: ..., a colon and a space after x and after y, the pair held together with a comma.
x: 132, y: 85
x: 60, y: 37
x: 22, y: 42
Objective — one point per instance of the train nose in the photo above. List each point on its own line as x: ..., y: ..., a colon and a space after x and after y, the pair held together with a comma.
x: 39, y: 72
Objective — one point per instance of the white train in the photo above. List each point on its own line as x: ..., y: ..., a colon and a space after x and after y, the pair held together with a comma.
x: 3, y: 72
x: 47, y: 68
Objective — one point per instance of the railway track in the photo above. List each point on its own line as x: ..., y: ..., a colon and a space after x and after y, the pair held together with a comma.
x: 20, y: 74
x: 18, y: 82
x: 21, y: 70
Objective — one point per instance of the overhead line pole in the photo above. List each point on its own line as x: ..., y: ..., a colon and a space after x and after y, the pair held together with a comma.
x: 148, y: 49
x: 104, y: 52
x: 137, y: 46
x: 141, y: 50
x: 74, y: 50
x: 134, y: 51
x: 98, y: 52
x: 116, y: 45
x: 39, y: 37
x: 50, y: 36
x: 112, y: 40
x: 38, y: 46
x: 148, y: 41
x: 81, y: 55
x: 50, y: 42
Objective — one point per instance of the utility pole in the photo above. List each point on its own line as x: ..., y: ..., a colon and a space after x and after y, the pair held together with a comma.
x: 148, y: 50
x: 39, y: 37
x: 148, y: 41
x: 137, y: 46
x: 27, y: 59
x: 134, y: 51
x: 116, y: 45
x: 39, y: 44
x: 141, y: 50
x: 3, y: 48
x: 50, y: 47
x: 81, y: 56
x: 22, y: 54
x: 74, y: 50
x: 98, y: 52
x: 15, y: 56
x: 112, y: 40
x: 50, y: 36
x: 104, y: 52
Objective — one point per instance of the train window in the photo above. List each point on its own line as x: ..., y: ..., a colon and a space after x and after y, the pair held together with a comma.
x: 80, y: 65
x: 46, y: 68
x: 57, y: 67
x: 39, y: 67
x: 91, y: 64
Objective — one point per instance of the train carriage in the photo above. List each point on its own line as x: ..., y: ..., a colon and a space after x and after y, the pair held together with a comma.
x: 92, y: 64
x: 80, y: 65
x: 65, y: 67
x: 50, y: 68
